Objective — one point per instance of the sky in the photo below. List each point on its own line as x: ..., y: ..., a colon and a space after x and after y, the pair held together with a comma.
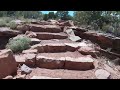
x: 46, y: 12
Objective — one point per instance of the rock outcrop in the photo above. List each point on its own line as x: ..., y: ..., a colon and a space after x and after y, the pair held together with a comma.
x: 8, y: 65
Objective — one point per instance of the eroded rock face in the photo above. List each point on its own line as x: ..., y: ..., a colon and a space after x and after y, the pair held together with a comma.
x: 8, y: 65
x: 104, y: 40
x: 7, y: 32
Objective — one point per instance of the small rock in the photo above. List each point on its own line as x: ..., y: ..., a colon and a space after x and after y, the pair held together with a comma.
x: 102, y: 74
x: 25, y: 69
x: 8, y: 77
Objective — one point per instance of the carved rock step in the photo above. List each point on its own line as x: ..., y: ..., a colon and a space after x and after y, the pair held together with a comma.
x: 45, y: 28
x: 48, y: 36
x: 53, y: 47
x: 27, y: 59
x: 68, y: 60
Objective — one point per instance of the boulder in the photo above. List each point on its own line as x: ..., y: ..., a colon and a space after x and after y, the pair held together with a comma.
x: 8, y: 65
x: 102, y: 74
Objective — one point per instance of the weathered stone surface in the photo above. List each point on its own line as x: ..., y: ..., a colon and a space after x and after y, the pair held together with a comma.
x: 102, y: 74
x: 8, y: 77
x: 7, y: 32
x: 74, y: 38
x: 35, y: 51
x: 20, y: 77
x: 43, y: 77
x: 88, y: 51
x: 45, y: 28
x: 104, y: 40
x: 77, y: 62
x: 55, y: 46
x: 53, y: 22
x: 68, y: 60
x: 50, y: 60
x: 48, y: 36
x: 8, y: 65
x: 108, y: 54
x: 30, y: 34
x: 66, y: 23
x: 69, y: 32
x: 25, y: 69
x: 38, y: 47
x: 34, y: 41
x: 27, y: 59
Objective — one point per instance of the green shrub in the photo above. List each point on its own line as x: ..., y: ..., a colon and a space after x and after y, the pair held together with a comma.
x: 19, y: 44
x: 3, y: 23
x: 7, y: 19
x: 12, y: 25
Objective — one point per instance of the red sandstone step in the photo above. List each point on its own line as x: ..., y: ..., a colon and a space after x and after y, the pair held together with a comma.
x: 67, y: 60
x: 48, y: 36
x: 27, y: 59
x: 45, y: 28
x: 55, y: 46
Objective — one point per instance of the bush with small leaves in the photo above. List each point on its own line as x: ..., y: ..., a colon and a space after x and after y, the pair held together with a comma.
x: 3, y: 23
x: 12, y: 25
x: 18, y: 44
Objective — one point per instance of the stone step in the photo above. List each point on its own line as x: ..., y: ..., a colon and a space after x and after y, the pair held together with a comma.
x: 45, y: 28
x: 52, y: 46
x: 48, y: 36
x: 27, y: 59
x: 43, y: 77
x: 67, y: 60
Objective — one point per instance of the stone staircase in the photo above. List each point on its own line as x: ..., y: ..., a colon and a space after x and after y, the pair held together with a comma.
x: 55, y: 51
